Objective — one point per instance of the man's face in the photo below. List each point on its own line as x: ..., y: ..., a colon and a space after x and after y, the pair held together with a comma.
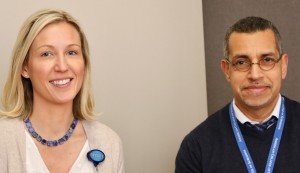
x: 255, y: 88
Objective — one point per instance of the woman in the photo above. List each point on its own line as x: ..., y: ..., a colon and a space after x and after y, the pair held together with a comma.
x: 48, y: 121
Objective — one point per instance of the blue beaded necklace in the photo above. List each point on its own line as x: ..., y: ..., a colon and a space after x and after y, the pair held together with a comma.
x: 49, y: 143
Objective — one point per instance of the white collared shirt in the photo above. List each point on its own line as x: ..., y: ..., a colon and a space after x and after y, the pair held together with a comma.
x: 35, y: 163
x: 242, y: 118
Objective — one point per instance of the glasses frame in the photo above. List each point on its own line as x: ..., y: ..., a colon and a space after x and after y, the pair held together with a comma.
x: 252, y: 63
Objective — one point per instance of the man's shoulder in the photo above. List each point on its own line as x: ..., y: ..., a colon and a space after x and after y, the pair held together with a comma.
x: 213, y: 124
x: 290, y: 102
x: 292, y: 109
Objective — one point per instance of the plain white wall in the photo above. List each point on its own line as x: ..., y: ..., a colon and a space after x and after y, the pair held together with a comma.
x: 148, y: 69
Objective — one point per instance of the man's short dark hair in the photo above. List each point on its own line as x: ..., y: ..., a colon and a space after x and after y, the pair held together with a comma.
x: 249, y: 25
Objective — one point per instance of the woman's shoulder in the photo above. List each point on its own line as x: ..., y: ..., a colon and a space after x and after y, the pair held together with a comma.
x: 102, y: 137
x: 9, y: 122
x: 10, y: 127
x: 97, y: 129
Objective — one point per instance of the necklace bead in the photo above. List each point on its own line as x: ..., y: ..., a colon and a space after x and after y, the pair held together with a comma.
x: 49, y: 143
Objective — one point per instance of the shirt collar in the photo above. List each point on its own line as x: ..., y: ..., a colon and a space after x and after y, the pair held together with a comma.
x: 242, y: 118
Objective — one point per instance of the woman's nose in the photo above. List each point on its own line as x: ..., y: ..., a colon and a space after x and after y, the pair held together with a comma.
x: 61, y: 64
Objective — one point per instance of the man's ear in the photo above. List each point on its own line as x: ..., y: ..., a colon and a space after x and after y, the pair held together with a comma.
x: 225, y: 68
x: 284, y: 65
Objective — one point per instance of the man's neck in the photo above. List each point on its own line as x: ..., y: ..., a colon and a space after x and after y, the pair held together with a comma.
x: 259, y: 113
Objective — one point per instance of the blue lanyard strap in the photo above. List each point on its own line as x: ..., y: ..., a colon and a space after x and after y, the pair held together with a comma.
x: 275, y: 143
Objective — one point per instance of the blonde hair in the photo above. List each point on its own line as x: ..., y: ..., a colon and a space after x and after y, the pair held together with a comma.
x: 17, y: 95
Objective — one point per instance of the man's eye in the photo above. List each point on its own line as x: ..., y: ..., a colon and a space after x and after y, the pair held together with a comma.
x: 268, y: 59
x: 241, y: 62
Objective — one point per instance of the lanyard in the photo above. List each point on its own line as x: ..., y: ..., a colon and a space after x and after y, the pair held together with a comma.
x: 275, y: 143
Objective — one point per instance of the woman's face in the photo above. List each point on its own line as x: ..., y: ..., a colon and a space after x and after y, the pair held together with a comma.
x: 55, y: 65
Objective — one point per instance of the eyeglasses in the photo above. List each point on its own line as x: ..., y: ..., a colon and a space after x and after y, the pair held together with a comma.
x: 244, y: 64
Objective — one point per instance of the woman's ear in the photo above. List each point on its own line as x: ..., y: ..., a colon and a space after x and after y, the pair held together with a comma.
x: 24, y: 72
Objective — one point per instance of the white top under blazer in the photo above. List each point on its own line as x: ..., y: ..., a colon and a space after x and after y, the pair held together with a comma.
x: 35, y: 163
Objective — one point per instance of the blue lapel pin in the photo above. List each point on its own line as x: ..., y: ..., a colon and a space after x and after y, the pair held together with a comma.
x: 96, y: 156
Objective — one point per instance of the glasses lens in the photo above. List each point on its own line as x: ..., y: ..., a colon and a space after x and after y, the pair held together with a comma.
x: 244, y: 64
x: 267, y: 63
x: 241, y: 64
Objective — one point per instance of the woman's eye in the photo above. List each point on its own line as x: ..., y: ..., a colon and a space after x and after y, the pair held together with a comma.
x: 72, y: 52
x: 46, y: 54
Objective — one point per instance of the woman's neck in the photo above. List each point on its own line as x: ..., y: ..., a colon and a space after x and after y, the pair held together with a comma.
x: 51, y: 120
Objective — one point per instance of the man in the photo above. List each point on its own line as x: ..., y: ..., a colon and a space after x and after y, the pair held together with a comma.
x: 259, y: 131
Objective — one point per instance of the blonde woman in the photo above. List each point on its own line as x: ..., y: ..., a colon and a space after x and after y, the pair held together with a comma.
x: 47, y: 123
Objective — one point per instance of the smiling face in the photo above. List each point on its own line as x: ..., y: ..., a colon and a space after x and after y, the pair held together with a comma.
x: 55, y: 64
x: 255, y: 88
